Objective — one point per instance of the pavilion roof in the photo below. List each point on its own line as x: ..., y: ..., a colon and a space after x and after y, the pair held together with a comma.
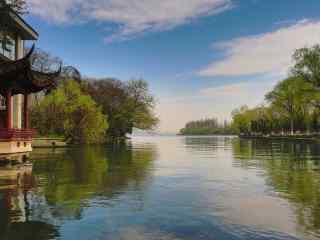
x: 20, y: 78
x: 16, y: 24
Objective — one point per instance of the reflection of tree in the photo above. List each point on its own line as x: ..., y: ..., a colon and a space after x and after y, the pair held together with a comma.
x: 30, y: 230
x: 291, y: 169
x: 70, y: 179
x: 206, y: 143
x: 128, y: 167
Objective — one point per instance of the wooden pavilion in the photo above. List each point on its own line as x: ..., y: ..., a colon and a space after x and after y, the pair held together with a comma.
x: 17, y: 81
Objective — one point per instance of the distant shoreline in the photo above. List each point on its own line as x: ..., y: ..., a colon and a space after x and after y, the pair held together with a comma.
x: 272, y: 137
x: 206, y: 135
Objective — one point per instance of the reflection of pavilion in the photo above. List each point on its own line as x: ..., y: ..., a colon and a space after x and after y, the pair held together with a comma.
x: 18, y: 81
x: 14, y: 184
x: 15, y: 222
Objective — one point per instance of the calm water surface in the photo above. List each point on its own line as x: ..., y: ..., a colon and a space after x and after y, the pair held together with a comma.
x: 166, y: 188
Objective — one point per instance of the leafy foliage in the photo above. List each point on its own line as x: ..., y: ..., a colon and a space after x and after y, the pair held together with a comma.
x: 43, y: 61
x: 308, y: 64
x: 128, y: 105
x: 69, y: 112
x: 292, y: 97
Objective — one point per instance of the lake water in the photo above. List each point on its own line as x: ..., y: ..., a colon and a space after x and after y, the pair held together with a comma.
x: 165, y: 188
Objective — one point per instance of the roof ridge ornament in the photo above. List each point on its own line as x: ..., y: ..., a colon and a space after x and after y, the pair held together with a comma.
x: 29, y: 54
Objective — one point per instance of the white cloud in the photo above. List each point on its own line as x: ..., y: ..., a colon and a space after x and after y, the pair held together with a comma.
x: 211, y: 102
x: 130, y: 16
x: 269, y: 53
x: 58, y: 11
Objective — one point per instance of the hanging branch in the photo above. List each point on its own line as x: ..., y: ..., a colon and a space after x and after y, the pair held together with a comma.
x: 18, y: 6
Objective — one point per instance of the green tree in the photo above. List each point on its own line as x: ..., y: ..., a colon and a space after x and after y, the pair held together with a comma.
x: 241, y: 120
x: 142, y: 104
x: 293, y: 98
x: 69, y: 112
x: 128, y: 105
x: 307, y: 64
x: 260, y: 120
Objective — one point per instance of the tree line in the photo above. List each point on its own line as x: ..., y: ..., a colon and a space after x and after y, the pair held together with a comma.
x: 87, y: 110
x: 292, y: 107
x: 210, y: 126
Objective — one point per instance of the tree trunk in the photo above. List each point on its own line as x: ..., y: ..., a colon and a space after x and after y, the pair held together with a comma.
x: 292, y: 126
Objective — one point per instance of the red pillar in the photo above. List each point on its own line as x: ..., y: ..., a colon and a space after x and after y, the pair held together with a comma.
x: 25, y: 111
x: 9, y: 109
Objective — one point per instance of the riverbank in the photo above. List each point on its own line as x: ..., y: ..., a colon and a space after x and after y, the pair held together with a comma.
x: 304, y: 137
x: 49, y: 142
x: 59, y: 142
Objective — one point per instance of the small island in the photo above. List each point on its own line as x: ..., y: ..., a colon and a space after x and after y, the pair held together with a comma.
x: 207, y: 127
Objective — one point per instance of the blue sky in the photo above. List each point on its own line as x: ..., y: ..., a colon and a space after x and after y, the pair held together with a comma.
x: 202, y: 58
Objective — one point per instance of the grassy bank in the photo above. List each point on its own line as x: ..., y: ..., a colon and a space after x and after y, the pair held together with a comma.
x: 49, y: 142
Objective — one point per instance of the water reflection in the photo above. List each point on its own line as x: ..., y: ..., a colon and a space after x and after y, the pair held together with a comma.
x: 70, y: 179
x: 207, y: 144
x: 15, y: 220
x: 165, y: 188
x: 292, y: 169
x: 63, y: 182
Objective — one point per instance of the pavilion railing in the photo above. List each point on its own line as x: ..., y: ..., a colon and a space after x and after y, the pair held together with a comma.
x: 16, y: 134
